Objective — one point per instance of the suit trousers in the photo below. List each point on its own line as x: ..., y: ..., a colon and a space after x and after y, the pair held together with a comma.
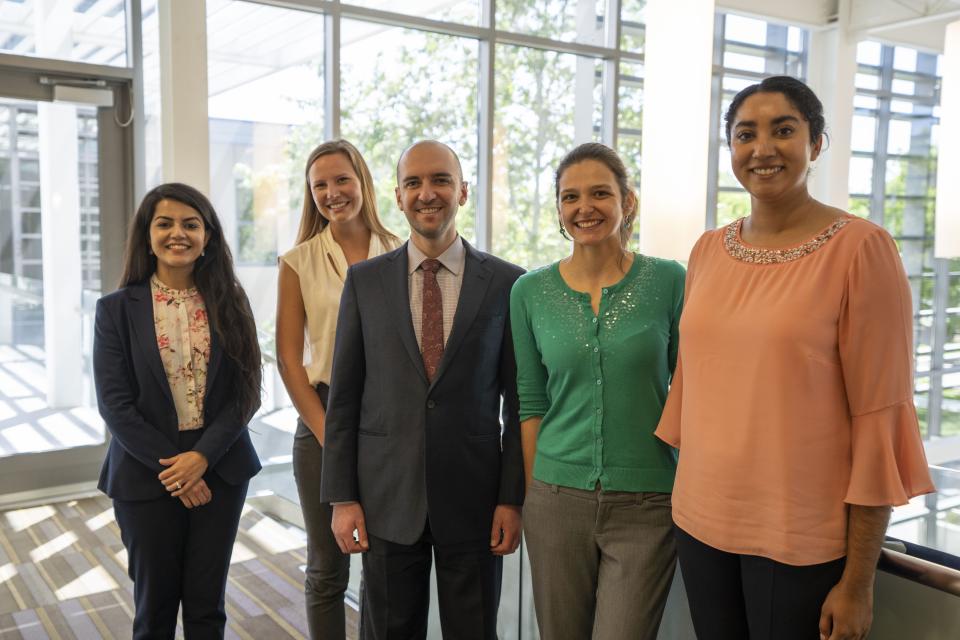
x: 396, y: 590
x: 179, y: 555
x: 601, y: 562
x: 734, y: 596
x: 328, y: 569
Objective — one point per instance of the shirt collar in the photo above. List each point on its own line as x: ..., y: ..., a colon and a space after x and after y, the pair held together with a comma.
x: 453, y: 258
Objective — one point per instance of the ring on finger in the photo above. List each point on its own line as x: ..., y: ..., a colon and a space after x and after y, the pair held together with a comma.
x: 178, y: 485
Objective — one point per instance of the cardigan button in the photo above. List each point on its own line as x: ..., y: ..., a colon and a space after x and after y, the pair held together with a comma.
x: 431, y: 404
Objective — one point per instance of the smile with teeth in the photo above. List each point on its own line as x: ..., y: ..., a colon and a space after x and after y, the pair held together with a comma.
x: 587, y: 224
x: 429, y: 210
x: 178, y: 246
x: 336, y: 206
x: 767, y: 171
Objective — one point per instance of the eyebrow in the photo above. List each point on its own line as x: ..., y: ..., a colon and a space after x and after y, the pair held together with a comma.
x: 442, y: 174
x: 190, y: 219
x: 604, y: 185
x: 775, y: 121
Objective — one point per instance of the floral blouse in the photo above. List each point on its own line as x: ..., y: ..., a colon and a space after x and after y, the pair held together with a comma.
x: 183, y: 337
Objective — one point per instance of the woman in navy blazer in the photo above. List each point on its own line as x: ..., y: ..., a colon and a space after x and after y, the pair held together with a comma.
x: 177, y: 370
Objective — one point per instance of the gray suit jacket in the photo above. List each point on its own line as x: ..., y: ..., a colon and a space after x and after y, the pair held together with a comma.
x: 409, y: 450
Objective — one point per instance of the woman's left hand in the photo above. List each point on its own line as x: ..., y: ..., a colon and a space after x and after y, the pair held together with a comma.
x: 847, y: 613
x: 182, y: 472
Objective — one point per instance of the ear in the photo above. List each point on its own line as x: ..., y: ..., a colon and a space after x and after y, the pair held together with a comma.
x: 630, y: 204
x: 817, y: 148
x: 463, y: 193
x: 396, y: 193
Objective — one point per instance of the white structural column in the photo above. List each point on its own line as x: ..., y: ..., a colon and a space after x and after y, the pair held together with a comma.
x: 947, y: 243
x: 183, y: 90
x: 676, y: 125
x: 832, y: 75
x: 59, y: 217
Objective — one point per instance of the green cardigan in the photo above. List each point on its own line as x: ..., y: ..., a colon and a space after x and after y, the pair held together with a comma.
x: 599, y: 382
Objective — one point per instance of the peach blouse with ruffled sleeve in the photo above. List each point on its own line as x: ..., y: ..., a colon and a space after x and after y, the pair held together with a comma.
x: 793, y: 395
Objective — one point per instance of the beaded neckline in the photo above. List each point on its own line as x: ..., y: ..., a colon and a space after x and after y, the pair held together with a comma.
x: 760, y: 255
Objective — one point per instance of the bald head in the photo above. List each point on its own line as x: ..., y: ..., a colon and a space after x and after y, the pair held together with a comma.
x: 430, y: 145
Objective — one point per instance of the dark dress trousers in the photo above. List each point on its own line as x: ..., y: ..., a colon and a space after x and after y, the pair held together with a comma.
x: 426, y: 460
x: 174, y: 553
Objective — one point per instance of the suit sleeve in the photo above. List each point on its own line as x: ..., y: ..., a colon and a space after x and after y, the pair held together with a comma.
x: 339, y: 474
x: 116, y: 396
x: 511, y: 463
x: 224, y: 429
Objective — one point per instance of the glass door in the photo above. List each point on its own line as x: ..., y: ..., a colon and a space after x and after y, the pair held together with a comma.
x: 64, y: 176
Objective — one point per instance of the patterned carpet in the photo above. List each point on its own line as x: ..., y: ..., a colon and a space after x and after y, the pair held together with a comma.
x: 63, y: 575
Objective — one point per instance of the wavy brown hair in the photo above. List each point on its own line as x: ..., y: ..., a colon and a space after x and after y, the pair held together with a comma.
x: 227, y: 305
x: 312, y: 221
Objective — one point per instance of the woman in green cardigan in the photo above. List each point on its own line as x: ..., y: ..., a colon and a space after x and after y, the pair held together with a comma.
x: 596, y: 343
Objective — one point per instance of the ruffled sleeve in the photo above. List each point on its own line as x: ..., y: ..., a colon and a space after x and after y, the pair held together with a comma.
x: 888, y: 464
x: 668, y: 429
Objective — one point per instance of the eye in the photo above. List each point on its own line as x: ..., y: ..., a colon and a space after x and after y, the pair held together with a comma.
x: 568, y: 197
x: 411, y: 184
x: 343, y: 179
x: 443, y: 180
x: 743, y: 136
x: 601, y: 193
x: 785, y: 131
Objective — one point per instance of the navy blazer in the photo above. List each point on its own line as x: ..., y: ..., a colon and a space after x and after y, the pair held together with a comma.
x: 409, y: 449
x: 136, y: 403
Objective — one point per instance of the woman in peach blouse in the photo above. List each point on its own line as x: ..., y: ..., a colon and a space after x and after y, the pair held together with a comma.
x: 792, y: 404
x: 177, y: 371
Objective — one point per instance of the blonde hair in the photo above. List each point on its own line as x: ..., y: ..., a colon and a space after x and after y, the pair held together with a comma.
x: 312, y: 221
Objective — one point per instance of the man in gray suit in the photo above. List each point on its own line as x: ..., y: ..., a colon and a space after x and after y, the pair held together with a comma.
x: 414, y: 459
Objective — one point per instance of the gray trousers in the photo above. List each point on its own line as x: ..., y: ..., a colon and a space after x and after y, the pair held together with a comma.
x: 328, y: 569
x: 601, y: 561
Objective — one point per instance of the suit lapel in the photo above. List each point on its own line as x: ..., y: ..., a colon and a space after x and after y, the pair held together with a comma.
x: 146, y: 333
x: 397, y: 294
x: 476, y: 280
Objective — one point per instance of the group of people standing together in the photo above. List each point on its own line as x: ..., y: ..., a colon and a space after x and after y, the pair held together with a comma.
x: 448, y: 400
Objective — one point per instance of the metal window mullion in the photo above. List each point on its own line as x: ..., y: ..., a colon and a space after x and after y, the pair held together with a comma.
x: 879, y: 177
x: 134, y: 15
x: 941, y: 294
x: 611, y: 76
x: 716, y: 104
x: 486, y: 100
x: 331, y: 74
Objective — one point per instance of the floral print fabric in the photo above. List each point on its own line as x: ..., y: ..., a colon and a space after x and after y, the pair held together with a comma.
x: 183, y: 338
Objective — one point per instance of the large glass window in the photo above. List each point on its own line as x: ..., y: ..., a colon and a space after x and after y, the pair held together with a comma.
x: 92, y: 31
x: 892, y: 181
x: 393, y: 92
x: 537, y: 120
x: 751, y: 50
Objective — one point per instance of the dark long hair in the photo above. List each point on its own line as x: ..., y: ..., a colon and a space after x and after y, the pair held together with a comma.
x: 227, y: 306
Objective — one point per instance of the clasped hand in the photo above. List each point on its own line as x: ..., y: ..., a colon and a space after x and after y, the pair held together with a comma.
x: 183, y: 478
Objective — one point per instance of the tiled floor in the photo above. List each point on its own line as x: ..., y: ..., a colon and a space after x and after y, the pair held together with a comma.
x: 63, y: 575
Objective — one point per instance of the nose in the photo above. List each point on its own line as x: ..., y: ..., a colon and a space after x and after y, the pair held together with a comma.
x: 763, y: 147
x: 426, y: 193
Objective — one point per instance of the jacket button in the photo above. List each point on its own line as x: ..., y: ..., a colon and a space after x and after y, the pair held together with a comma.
x: 431, y: 404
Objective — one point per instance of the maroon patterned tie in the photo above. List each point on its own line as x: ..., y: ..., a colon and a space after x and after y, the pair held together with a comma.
x: 431, y: 333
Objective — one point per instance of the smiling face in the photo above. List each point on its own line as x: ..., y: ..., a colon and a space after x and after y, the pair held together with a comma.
x: 178, y: 236
x: 335, y: 188
x: 430, y: 190
x: 770, y: 147
x: 591, y: 207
